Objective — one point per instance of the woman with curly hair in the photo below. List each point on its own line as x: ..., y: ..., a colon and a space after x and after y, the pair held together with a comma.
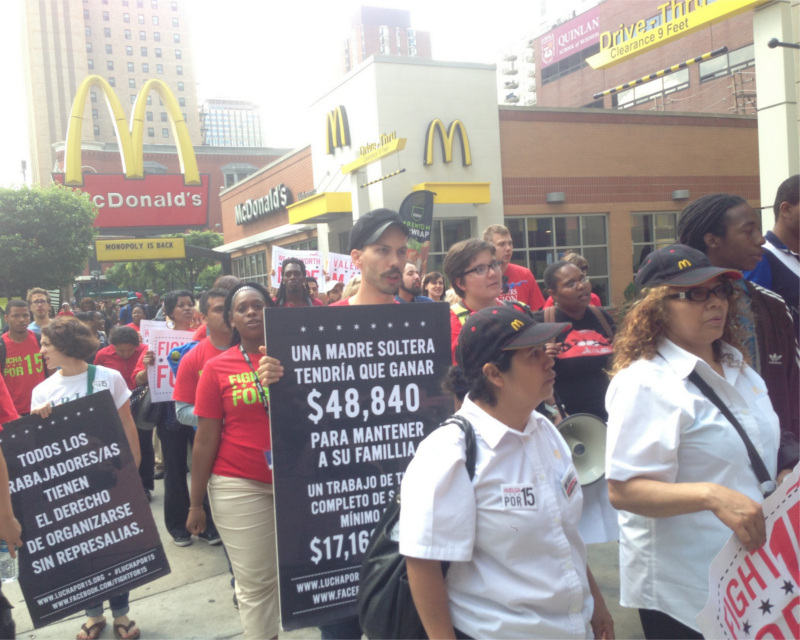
x: 677, y: 469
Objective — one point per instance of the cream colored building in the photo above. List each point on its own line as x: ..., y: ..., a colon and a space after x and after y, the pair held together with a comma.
x: 125, y: 42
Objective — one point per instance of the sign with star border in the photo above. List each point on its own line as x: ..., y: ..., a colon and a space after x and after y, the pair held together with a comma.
x: 88, y: 530
x: 755, y: 594
x: 361, y: 389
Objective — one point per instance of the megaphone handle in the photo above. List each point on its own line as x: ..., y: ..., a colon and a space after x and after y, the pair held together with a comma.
x: 560, y: 405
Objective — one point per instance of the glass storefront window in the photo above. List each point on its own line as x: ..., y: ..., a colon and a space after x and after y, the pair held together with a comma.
x: 252, y: 267
x: 651, y: 231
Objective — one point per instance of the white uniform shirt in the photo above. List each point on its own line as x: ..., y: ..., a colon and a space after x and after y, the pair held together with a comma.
x: 518, y: 563
x: 58, y: 389
x: 661, y: 427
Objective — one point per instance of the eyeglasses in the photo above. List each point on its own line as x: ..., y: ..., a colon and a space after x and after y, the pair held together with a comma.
x: 701, y: 294
x: 574, y: 283
x: 481, y: 269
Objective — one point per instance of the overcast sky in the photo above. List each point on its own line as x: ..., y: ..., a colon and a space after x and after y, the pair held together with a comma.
x: 281, y: 55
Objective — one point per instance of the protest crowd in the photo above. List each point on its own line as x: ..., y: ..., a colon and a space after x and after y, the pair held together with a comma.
x: 694, y: 383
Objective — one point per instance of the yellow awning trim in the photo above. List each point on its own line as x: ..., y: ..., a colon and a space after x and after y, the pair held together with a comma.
x: 457, y: 192
x: 319, y: 205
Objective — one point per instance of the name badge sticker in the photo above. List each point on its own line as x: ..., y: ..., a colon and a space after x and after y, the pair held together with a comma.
x: 518, y: 496
x: 570, y: 482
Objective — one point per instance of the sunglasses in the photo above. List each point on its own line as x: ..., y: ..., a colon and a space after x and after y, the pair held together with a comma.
x: 701, y: 294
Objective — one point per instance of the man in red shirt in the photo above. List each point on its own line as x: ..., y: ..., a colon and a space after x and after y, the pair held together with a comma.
x: 518, y: 282
x: 294, y: 291
x: 8, y: 412
x: 20, y: 361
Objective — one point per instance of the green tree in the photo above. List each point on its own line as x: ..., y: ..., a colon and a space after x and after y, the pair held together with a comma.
x: 46, y: 237
x: 164, y: 275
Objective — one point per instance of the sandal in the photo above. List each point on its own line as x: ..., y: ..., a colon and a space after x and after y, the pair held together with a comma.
x: 94, y: 631
x: 126, y: 628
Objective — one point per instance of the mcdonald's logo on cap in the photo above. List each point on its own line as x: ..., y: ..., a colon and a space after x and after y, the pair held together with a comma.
x: 133, y: 201
x: 447, y: 137
x: 517, y: 324
x: 337, y: 130
x: 683, y: 264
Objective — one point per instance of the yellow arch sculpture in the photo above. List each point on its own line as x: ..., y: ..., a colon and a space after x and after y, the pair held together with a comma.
x: 447, y: 137
x: 130, y: 140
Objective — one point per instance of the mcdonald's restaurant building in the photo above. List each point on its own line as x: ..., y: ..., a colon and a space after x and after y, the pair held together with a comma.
x: 607, y: 184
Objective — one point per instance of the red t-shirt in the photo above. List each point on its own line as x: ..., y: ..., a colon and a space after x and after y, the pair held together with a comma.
x: 314, y: 303
x: 522, y: 286
x: 107, y: 357
x: 346, y: 303
x: 190, y: 369
x: 595, y: 301
x: 24, y: 370
x: 200, y: 334
x: 227, y: 392
x: 133, y: 326
x: 8, y: 412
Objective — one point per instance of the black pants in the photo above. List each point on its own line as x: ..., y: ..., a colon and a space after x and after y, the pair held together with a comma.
x: 174, y: 450
x: 7, y: 626
x: 657, y: 625
x: 148, y: 463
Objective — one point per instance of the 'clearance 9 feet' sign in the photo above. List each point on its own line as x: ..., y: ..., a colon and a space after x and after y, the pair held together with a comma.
x: 361, y: 389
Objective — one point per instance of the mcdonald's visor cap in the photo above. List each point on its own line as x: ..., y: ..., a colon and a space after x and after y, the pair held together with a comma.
x: 502, y: 328
x: 369, y: 227
x: 679, y: 266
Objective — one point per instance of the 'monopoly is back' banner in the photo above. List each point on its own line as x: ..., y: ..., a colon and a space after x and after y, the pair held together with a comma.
x: 757, y: 594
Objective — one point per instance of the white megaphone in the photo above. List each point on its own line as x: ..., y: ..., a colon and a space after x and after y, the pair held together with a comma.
x: 586, y: 438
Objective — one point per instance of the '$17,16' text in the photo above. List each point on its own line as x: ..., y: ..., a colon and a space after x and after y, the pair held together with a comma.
x: 398, y: 398
x: 339, y: 547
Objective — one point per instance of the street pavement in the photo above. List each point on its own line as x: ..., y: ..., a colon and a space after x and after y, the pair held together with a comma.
x: 196, y: 599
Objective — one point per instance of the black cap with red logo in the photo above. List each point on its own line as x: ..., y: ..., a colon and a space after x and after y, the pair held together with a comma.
x: 679, y: 266
x: 501, y: 328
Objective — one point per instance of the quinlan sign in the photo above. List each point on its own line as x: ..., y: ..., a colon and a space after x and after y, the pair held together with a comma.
x: 135, y: 200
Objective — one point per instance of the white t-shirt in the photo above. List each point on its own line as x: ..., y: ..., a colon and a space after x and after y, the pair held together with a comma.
x: 518, y: 564
x: 58, y: 389
x: 661, y: 427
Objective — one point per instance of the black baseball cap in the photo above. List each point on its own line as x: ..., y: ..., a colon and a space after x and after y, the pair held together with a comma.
x: 679, y: 266
x: 369, y: 227
x: 501, y: 328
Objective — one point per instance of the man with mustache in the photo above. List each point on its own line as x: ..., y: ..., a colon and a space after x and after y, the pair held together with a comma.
x: 411, y: 286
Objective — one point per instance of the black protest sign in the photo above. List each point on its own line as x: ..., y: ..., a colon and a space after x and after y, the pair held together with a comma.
x: 416, y: 210
x: 88, y: 530
x: 361, y: 389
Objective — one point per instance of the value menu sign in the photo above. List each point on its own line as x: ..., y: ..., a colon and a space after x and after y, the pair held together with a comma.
x: 361, y: 389
x: 88, y: 530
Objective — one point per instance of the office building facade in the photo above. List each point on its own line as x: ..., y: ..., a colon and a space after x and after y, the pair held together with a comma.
x: 230, y: 123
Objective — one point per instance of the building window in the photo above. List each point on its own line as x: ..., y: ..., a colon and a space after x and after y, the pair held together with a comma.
x: 94, y: 96
x: 151, y: 133
x: 126, y: 17
x: 96, y: 129
x: 157, y: 36
x: 726, y: 64
x: 568, y: 65
x: 144, y: 52
x: 140, y: 4
x: 176, y: 37
x: 154, y: 4
x: 95, y: 115
x: 131, y: 67
x: 178, y: 54
x: 129, y: 50
x: 88, y: 47
x: 109, y: 49
x: 106, y: 16
x: 133, y: 98
x: 141, y: 19
x: 85, y: 14
x: 180, y: 86
x: 182, y: 102
x: 159, y: 68
x: 179, y: 70
x: 145, y: 68
x: 143, y: 35
x: 252, y: 268
x: 165, y: 133
x: 87, y: 31
x: 107, y: 32
x: 110, y: 65
x: 174, y: 6
x: 445, y: 234
x: 657, y: 88
x: 164, y: 116
x: 127, y: 34
x: 155, y: 20
x: 90, y: 63
x: 149, y: 116
x: 158, y: 53
x: 542, y: 240
x: 125, y: 3
x: 175, y: 22
x: 131, y: 83
x: 311, y: 244
x: 149, y: 100
x: 112, y: 82
x: 651, y: 231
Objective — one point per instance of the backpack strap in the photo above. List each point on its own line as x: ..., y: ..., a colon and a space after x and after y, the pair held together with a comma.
x: 3, y: 354
x: 598, y: 313
x: 469, y: 435
x: 461, y: 311
x: 90, y: 374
